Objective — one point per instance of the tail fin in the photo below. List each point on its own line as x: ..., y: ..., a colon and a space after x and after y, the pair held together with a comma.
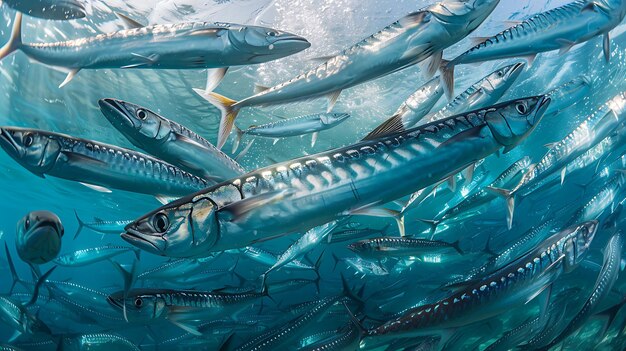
x: 336, y: 260
x: 447, y: 78
x: 81, y: 225
x: 237, y: 139
x: 129, y: 279
x: 15, y: 41
x: 457, y: 246
x: 40, y: 281
x: 347, y: 291
x: 510, y: 202
x: 433, y: 224
x: 355, y: 321
x: 229, y: 113
x: 16, y: 278
x: 317, y: 266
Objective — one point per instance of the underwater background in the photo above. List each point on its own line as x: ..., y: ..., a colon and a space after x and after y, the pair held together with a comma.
x: 30, y: 97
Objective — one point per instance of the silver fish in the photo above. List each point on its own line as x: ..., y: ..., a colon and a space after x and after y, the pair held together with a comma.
x: 568, y: 94
x: 95, y: 163
x: 101, y: 226
x: 97, y: 342
x: 606, y: 279
x: 38, y: 237
x: 343, y: 340
x: 489, y: 296
x: 413, y: 109
x: 599, y: 125
x: 412, y: 39
x: 557, y: 29
x: 91, y: 255
x: 192, y: 45
x: 169, y: 141
x: 17, y: 317
x: 310, y: 191
x: 49, y: 9
x: 485, y: 92
x: 268, y: 258
x: 402, y: 246
x: 301, y: 125
x: 602, y: 200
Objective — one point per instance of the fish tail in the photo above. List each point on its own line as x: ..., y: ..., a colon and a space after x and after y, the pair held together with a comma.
x: 40, y: 281
x: 457, y: 246
x: 433, y: 224
x: 137, y: 253
x: 229, y: 113
x: 15, y: 41
x: 355, y: 321
x: 510, y: 202
x: 14, y: 276
x: 335, y: 260
x: 237, y: 139
x: 317, y: 266
x: 347, y: 291
x: 447, y: 78
x: 81, y: 225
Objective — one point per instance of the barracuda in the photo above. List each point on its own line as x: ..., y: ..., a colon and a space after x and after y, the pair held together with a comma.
x: 483, y: 93
x: 513, y: 285
x: 169, y: 141
x: 604, y: 122
x: 568, y: 94
x: 606, y: 279
x: 558, y: 29
x: 95, y: 164
x: 412, y: 39
x: 301, y: 125
x: 91, y: 255
x: 49, y: 9
x: 101, y: 226
x: 192, y: 45
x: 300, y: 194
x: 402, y: 247
x: 413, y: 109
x: 601, y: 200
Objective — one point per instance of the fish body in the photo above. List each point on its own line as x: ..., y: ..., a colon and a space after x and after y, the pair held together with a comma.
x: 19, y: 319
x: 414, y: 108
x: 49, y: 9
x: 485, y: 92
x: 412, y: 39
x: 97, y: 342
x: 387, y: 246
x: 90, y: 255
x: 268, y: 258
x: 38, y: 238
x: 556, y: 29
x: 602, y: 200
x: 351, y: 234
x: 568, y: 94
x: 170, y: 141
x: 344, y: 340
x: 101, y: 226
x: 307, y: 192
x: 498, y: 292
x: 192, y: 45
x: 94, y: 163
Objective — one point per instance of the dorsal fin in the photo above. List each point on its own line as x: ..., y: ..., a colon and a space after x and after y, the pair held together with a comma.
x: 128, y: 22
x: 393, y: 125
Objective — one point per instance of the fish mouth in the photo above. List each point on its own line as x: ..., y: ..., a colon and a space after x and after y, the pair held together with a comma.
x: 142, y: 241
x: 292, y: 43
x: 116, y: 113
x: 517, y: 68
x: 8, y: 144
x: 113, y: 302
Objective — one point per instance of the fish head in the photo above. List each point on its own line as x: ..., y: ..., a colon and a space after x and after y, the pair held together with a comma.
x: 38, y: 238
x: 139, y: 306
x: 502, y: 79
x: 511, y: 122
x: 265, y: 44
x: 332, y: 119
x: 139, y: 124
x: 468, y: 13
x: 188, y: 227
x: 578, y: 244
x: 34, y: 150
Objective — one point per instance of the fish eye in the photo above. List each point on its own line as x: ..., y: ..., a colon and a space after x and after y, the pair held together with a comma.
x: 160, y: 222
x: 500, y: 74
x: 521, y: 108
x: 138, y: 302
x: 272, y: 34
x: 141, y: 114
x: 28, y: 140
x: 27, y: 223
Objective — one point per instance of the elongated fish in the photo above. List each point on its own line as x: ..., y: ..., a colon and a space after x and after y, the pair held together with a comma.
x: 49, y: 9
x: 301, y: 125
x: 101, y: 226
x: 268, y: 258
x: 602, y: 200
x: 599, y: 125
x: 304, y: 193
x: 97, y: 341
x: 91, y: 255
x: 169, y: 141
x: 191, y: 45
x: 413, y: 109
x: 483, y: 93
x: 513, y: 285
x: 412, y: 39
x: 509, y: 177
x: 606, y: 279
x: 557, y: 29
x: 387, y: 246
x: 94, y: 163
x: 568, y: 94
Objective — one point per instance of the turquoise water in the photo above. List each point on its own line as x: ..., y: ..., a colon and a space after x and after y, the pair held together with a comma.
x: 30, y: 97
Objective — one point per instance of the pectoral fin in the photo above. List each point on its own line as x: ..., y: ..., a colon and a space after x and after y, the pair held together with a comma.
x: 391, y: 126
x: 70, y: 75
x: 97, y: 188
x: 240, y: 208
x: 332, y: 100
x: 214, y: 78
x: 128, y: 22
x: 314, y: 138
x: 80, y: 158
x: 430, y: 66
x: 606, y: 47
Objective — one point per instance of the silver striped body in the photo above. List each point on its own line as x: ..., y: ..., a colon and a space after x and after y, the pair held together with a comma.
x: 90, y: 255
x: 498, y: 292
x: 568, y: 94
x: 49, y: 9
x: 297, y: 126
x: 405, y: 42
x: 388, y: 246
x: 600, y: 201
x: 485, y: 92
x: 551, y: 30
x: 303, y: 193
x: 592, y: 131
x: 99, y: 164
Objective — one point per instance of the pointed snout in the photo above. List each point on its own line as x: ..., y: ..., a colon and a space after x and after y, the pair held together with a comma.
x: 115, y: 112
